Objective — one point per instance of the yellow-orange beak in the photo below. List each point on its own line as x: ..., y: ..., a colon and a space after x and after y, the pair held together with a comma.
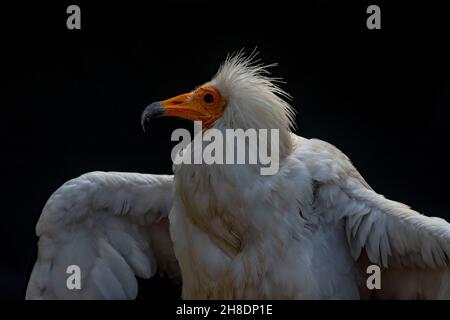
x: 204, y: 104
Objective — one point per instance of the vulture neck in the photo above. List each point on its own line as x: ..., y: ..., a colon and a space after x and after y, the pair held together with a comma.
x: 218, y: 198
x: 284, y: 141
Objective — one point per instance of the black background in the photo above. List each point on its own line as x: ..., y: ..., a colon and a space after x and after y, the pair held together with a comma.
x: 72, y: 99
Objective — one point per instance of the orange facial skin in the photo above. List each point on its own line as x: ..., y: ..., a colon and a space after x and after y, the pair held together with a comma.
x: 204, y: 104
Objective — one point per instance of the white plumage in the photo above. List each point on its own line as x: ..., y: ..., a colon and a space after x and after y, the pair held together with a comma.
x: 308, y: 231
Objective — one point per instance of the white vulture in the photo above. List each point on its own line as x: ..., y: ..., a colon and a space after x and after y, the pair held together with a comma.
x: 228, y: 232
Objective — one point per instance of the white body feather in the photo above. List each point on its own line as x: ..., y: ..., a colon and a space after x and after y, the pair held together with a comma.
x: 303, y: 238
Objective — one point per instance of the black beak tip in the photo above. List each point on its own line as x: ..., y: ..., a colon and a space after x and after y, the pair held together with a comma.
x: 153, y: 110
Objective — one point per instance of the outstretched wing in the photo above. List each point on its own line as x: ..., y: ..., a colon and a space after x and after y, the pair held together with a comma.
x: 113, y: 227
x: 412, y: 249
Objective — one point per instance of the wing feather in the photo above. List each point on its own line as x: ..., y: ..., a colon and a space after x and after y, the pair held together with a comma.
x: 389, y: 233
x: 114, y: 226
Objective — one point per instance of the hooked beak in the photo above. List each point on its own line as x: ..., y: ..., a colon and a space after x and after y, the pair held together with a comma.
x: 204, y: 104
x: 180, y: 106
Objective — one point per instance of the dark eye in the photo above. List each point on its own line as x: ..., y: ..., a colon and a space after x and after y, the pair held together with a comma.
x: 208, y: 98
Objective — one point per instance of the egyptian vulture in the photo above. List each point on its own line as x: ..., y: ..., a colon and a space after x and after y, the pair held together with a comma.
x: 310, y: 231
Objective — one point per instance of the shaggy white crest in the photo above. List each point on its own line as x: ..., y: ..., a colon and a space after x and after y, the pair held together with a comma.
x: 254, y: 98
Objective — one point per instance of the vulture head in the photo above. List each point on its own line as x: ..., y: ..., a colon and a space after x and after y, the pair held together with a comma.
x: 241, y: 95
